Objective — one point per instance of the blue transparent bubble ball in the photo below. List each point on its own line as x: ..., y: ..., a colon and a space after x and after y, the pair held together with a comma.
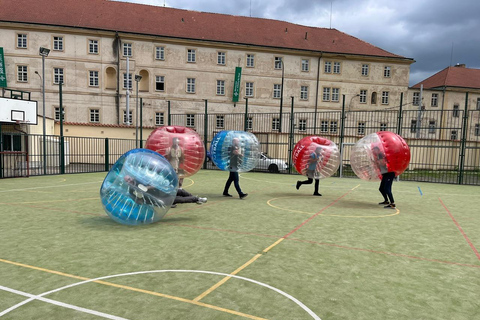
x: 140, y: 188
x: 244, y: 143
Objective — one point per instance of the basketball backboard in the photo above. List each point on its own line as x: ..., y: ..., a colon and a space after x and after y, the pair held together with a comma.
x: 16, y: 110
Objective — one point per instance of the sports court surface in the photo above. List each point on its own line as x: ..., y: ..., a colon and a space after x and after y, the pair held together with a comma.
x: 278, y: 254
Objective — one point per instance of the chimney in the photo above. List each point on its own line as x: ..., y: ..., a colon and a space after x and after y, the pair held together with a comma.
x: 460, y: 65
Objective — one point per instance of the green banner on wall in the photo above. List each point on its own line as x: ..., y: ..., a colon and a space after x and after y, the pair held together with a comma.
x: 236, y: 84
x: 3, y: 73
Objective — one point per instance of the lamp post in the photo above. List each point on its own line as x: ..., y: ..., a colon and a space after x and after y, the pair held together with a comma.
x: 44, y: 53
x: 137, y: 80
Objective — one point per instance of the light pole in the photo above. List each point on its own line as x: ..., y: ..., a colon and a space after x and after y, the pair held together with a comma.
x: 137, y: 80
x: 281, y: 95
x: 44, y: 53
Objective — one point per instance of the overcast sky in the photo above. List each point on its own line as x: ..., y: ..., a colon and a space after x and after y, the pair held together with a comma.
x: 436, y: 33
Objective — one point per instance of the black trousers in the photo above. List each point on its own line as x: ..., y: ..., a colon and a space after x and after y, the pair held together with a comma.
x: 184, y: 196
x: 309, y: 181
x: 386, y: 186
x: 233, y: 177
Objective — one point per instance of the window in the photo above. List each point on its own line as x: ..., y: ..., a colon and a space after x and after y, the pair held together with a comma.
x: 93, y: 46
x: 220, y: 122
x: 305, y: 65
x: 453, y: 135
x: 95, y: 115
x: 431, y: 126
x: 302, y: 124
x: 374, y: 98
x: 335, y: 94
x: 434, y: 99
x: 416, y: 98
x: 22, y: 73
x: 363, y: 96
x: 478, y: 103
x: 326, y: 94
x: 21, y: 40
x: 58, y: 75
x: 57, y: 113
x: 93, y: 80
x: 221, y: 87
x: 159, y: 118
x: 456, y: 111
x: 130, y: 116
x: 190, y: 120
x: 333, y: 126
x: 58, y: 43
x: 221, y: 58
x: 413, y: 126
x: 250, y: 61
x: 127, y: 82
x: 159, y: 83
x: 278, y: 63
x: 303, y: 93
x: 387, y: 71
x: 12, y: 142
x: 191, y: 85
x: 365, y: 70
x: 383, y: 126
x: 328, y: 67
x: 324, y: 126
x: 249, y: 123
x: 191, y: 55
x: 275, y: 123
x: 477, y: 129
x: 159, y: 53
x: 384, y: 97
x: 249, y: 89
x: 361, y: 128
x: 336, y: 67
x: 277, y: 91
x: 127, y: 49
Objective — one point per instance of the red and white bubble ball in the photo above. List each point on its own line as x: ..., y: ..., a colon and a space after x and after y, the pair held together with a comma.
x: 328, y: 160
x: 365, y: 154
x: 192, y: 152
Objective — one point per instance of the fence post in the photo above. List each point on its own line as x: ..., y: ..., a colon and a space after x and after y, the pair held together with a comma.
x: 342, y: 124
x: 205, y: 132
x: 290, y: 143
x: 169, y: 118
x: 463, y: 142
x: 141, y: 122
x: 245, y: 126
x: 400, y: 116
x: 1, y: 150
x: 107, y: 166
x: 62, y: 139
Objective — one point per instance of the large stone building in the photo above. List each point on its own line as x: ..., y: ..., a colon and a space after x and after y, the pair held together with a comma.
x: 186, y: 57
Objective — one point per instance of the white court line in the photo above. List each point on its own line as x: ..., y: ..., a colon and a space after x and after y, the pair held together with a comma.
x: 58, y: 303
x: 55, y: 186
x: 304, y: 307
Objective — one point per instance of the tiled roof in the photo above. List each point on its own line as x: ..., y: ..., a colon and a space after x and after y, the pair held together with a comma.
x: 185, y: 24
x: 458, y: 76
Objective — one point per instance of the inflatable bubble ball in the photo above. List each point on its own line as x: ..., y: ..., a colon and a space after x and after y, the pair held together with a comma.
x: 140, y: 188
x: 236, y: 151
x: 182, y: 147
x: 379, y: 153
x: 316, y: 157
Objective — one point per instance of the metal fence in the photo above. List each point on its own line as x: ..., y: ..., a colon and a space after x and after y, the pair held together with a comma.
x: 445, y: 145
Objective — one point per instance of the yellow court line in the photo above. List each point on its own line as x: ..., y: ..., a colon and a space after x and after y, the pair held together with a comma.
x: 48, y: 201
x: 356, y: 187
x: 218, y: 284
x: 135, y: 289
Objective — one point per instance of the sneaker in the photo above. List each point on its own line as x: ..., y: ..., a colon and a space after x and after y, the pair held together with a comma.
x: 299, y: 183
x: 390, y: 206
x: 227, y: 195
x: 173, y: 205
x: 201, y: 200
x: 384, y: 202
x: 243, y: 196
x: 317, y: 194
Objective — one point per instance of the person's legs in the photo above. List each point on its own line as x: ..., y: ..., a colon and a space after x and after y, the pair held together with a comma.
x: 382, y: 189
x: 388, y: 187
x: 317, y: 183
x: 236, y: 183
x: 183, y: 193
x: 187, y: 199
x: 228, y: 183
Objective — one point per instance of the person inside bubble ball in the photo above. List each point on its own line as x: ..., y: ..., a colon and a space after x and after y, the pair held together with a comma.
x: 175, y: 156
x: 315, y: 158
x: 387, y: 178
x: 143, y: 194
x: 236, y: 155
x: 183, y: 196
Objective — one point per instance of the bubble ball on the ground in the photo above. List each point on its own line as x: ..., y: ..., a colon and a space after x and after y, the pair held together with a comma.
x: 140, y: 188
x: 324, y: 150
x: 183, y: 142
x: 221, y: 149
x: 365, y: 153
